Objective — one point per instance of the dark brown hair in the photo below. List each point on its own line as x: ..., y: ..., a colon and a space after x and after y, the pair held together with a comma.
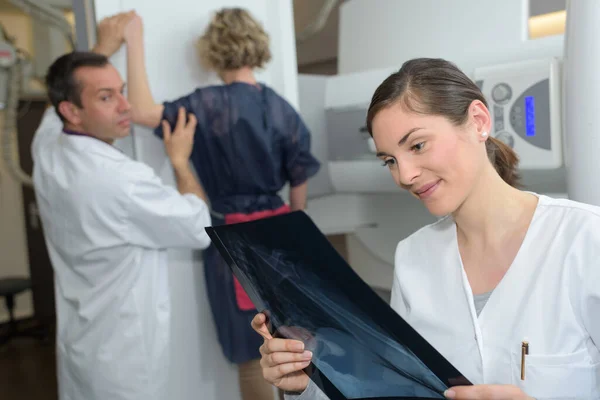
x: 437, y: 87
x: 61, y: 82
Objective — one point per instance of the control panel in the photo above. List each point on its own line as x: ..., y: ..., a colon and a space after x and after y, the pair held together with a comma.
x: 524, y: 101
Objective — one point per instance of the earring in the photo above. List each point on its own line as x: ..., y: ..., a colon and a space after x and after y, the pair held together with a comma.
x: 484, y: 134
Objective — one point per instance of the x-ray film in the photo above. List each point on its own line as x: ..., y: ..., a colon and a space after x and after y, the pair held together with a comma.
x: 362, y: 349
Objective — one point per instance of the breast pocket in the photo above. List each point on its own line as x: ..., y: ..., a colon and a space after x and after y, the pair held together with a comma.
x: 557, y: 376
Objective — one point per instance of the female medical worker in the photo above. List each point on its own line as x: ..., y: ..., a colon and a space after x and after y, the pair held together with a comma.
x: 249, y: 141
x: 502, y: 266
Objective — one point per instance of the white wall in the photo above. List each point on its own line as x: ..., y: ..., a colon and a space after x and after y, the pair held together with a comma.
x: 383, y: 33
x: 198, y: 368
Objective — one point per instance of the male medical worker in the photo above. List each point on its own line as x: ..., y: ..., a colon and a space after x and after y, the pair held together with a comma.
x: 108, y: 222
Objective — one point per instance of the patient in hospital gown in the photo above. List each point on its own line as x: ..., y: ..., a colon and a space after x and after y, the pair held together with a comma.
x: 249, y: 143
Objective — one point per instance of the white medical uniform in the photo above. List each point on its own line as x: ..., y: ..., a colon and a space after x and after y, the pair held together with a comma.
x: 108, y: 221
x: 549, y: 297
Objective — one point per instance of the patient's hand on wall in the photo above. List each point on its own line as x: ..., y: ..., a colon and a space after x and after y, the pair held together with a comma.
x: 134, y: 30
x: 144, y: 110
x: 111, y: 33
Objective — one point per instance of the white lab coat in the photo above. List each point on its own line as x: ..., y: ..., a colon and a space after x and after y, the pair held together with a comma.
x: 550, y: 297
x: 108, y: 221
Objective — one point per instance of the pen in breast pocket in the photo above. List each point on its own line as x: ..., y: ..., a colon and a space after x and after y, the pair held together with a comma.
x: 524, y: 352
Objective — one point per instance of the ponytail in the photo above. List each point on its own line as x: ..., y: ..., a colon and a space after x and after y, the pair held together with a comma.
x: 504, y: 160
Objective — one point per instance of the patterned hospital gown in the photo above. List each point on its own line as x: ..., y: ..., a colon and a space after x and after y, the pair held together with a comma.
x: 249, y: 142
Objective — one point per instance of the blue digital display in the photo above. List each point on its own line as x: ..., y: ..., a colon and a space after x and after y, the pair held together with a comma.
x: 530, y: 116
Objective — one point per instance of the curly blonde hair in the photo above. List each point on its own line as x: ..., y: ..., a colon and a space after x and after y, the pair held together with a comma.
x: 234, y: 39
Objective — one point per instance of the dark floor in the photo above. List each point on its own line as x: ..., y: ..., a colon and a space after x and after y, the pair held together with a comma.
x: 28, y: 369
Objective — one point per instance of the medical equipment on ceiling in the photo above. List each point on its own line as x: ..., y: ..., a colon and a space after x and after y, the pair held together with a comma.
x: 15, y: 76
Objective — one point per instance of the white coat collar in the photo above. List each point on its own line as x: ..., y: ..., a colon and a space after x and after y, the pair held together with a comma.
x: 87, y: 143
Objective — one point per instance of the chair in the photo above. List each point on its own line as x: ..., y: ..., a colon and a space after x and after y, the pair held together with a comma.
x: 9, y: 288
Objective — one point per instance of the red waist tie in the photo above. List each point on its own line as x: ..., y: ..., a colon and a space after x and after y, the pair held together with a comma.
x: 243, y: 300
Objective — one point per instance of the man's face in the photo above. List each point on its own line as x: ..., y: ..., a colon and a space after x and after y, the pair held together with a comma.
x: 105, y: 112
